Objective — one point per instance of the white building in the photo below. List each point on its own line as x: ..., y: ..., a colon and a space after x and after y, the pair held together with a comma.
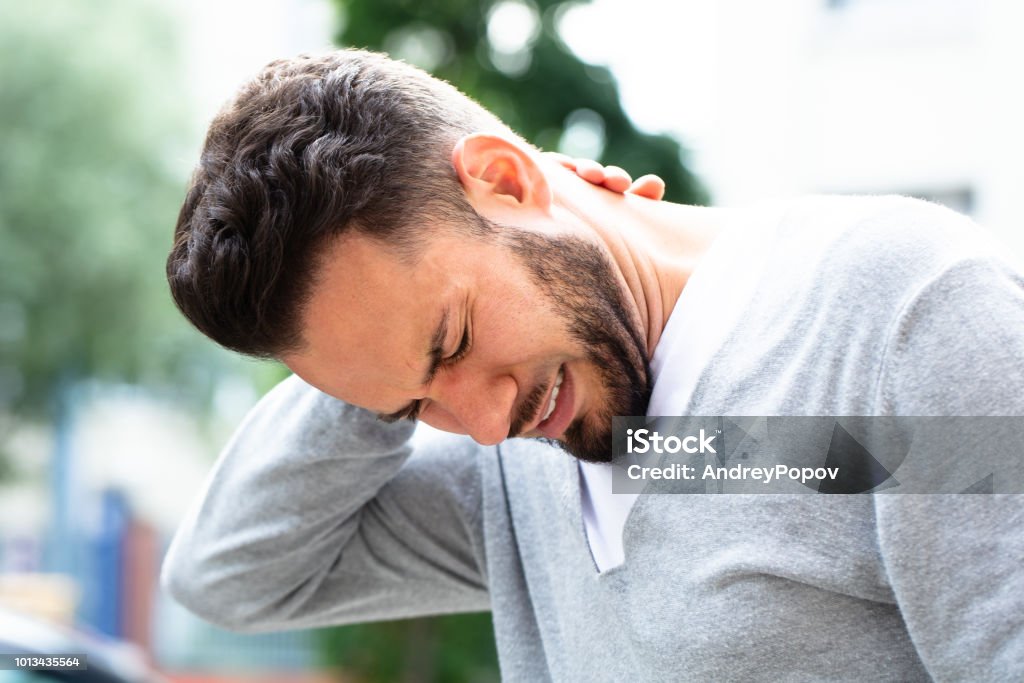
x: 788, y: 97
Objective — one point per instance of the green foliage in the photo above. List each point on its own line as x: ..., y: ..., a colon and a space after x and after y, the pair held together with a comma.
x: 454, y: 649
x: 536, y: 90
x: 91, y: 113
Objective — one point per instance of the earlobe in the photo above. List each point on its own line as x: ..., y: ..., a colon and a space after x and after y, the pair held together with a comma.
x: 493, y: 168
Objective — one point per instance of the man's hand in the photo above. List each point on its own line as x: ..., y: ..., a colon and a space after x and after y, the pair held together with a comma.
x: 613, y: 178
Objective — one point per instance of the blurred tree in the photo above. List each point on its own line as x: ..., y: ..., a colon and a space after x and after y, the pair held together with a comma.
x: 91, y: 117
x: 509, y: 56
x: 453, y: 649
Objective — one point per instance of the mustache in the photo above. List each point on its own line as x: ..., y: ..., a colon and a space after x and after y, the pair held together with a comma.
x: 528, y: 409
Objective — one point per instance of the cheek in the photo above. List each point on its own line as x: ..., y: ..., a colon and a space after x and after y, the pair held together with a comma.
x: 519, y: 323
x: 438, y: 418
x: 516, y: 340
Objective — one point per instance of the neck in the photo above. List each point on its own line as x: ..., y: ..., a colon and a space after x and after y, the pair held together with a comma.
x: 655, y: 246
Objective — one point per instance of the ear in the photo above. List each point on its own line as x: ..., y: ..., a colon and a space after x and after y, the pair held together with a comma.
x: 491, y: 167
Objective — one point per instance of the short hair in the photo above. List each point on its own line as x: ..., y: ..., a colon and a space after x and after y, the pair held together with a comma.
x: 311, y: 148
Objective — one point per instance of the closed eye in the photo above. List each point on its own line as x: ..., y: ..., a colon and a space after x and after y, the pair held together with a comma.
x: 464, y: 345
x: 411, y: 412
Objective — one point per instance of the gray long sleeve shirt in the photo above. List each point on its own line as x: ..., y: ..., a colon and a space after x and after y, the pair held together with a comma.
x: 317, y: 514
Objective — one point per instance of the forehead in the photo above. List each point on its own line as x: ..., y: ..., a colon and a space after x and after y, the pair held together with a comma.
x: 372, y: 314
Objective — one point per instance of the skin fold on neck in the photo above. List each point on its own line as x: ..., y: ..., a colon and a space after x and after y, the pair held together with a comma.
x: 655, y: 246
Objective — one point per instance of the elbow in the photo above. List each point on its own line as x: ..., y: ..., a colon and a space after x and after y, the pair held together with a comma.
x: 196, y: 588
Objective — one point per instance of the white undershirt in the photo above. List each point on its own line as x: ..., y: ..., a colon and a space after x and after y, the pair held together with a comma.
x: 705, y: 312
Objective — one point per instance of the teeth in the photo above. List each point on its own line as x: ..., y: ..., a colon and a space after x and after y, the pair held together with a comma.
x: 554, y: 396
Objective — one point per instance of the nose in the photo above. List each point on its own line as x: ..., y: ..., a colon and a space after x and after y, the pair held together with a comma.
x: 473, y: 403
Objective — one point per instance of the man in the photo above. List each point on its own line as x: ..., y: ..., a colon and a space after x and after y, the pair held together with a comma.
x: 404, y: 252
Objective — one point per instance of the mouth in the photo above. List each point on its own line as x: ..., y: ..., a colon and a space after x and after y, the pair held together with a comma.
x: 558, y: 411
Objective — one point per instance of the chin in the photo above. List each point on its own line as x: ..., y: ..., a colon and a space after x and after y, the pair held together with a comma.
x: 585, y: 442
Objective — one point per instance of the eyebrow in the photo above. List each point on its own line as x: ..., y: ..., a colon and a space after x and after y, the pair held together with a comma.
x: 436, y: 356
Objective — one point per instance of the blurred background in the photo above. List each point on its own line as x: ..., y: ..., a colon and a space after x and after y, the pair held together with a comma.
x: 112, y: 409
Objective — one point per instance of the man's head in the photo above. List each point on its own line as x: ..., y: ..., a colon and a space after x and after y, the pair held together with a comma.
x: 311, y: 148
x: 397, y: 247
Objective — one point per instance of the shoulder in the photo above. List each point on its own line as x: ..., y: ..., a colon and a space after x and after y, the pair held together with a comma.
x: 955, y: 347
x: 887, y: 232
x: 877, y: 250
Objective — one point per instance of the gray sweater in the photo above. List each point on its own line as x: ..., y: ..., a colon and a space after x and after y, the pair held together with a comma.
x: 317, y: 514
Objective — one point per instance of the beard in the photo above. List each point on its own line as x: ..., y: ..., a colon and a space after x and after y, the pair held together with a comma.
x: 580, y: 285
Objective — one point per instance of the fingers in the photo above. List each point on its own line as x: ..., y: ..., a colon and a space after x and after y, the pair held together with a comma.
x: 649, y: 186
x: 591, y: 171
x: 616, y: 179
x: 612, y: 178
x: 566, y: 161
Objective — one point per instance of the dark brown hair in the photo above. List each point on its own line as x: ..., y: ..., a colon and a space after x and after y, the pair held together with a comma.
x: 311, y: 148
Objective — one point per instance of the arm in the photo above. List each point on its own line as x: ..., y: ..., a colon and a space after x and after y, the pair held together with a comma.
x: 316, y: 513
x: 956, y: 562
